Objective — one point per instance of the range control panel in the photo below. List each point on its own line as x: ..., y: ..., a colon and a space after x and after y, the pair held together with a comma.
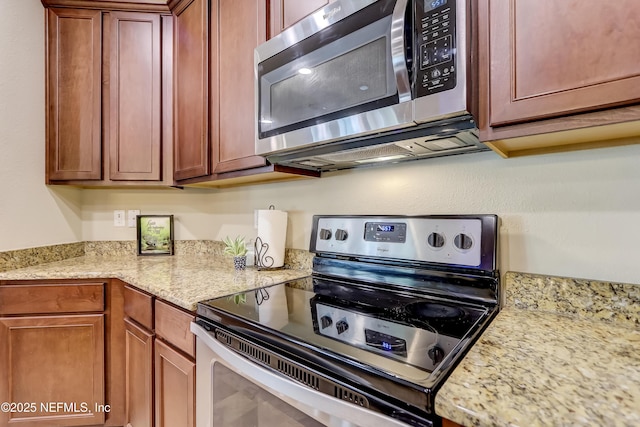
x: 435, y: 43
x: 455, y: 240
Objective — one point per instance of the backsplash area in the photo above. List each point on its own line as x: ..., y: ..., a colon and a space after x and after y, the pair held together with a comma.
x: 614, y: 302
x: 294, y: 258
x: 11, y: 260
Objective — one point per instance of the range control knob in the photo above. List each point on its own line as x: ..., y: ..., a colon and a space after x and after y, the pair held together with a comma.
x: 436, y: 354
x: 342, y: 326
x: 435, y: 240
x: 341, y: 234
x: 463, y: 241
x: 325, y: 234
x: 325, y: 321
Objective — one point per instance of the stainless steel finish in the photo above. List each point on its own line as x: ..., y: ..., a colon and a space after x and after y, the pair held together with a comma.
x: 398, y: 57
x: 326, y: 409
x: 419, y: 341
x: 319, y: 20
x: 454, y: 102
x: 388, y: 118
x: 416, y: 247
x: 435, y: 125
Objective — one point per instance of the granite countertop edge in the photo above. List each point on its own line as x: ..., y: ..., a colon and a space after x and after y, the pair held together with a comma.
x: 183, y: 280
x: 555, y: 366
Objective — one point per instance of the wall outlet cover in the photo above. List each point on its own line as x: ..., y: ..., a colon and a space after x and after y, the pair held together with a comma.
x: 131, y: 217
x: 118, y: 218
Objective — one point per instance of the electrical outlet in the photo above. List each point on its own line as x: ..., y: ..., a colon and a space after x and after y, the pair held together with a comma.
x: 118, y: 218
x: 131, y: 217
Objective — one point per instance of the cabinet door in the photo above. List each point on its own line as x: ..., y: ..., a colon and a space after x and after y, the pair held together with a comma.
x: 285, y: 13
x: 175, y: 388
x: 57, y: 363
x: 241, y: 27
x: 139, y: 376
x: 135, y: 96
x: 74, y: 94
x: 191, y: 90
x: 548, y: 58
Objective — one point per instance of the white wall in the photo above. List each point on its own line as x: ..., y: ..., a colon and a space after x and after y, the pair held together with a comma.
x: 30, y: 213
x: 572, y: 214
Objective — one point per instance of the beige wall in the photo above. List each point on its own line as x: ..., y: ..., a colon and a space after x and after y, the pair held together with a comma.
x: 30, y: 213
x: 574, y: 214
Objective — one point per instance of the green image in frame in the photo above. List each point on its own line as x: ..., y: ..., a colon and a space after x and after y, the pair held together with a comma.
x: 155, y: 234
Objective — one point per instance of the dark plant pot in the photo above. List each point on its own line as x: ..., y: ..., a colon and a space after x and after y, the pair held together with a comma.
x: 240, y: 262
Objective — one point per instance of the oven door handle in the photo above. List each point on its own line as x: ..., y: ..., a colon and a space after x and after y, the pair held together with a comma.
x: 328, y: 410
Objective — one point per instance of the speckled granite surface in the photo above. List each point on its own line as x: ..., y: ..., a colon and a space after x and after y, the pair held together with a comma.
x: 563, y: 352
x: 196, y: 272
x: 181, y: 279
x: 10, y: 260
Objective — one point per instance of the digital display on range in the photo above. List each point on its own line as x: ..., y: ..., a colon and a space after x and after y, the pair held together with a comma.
x: 432, y: 4
x: 392, y: 232
x: 386, y: 342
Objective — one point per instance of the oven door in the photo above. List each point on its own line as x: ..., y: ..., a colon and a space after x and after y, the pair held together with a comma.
x: 233, y: 391
x: 338, y: 73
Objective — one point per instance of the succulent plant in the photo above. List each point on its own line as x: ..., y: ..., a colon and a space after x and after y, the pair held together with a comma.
x: 235, y: 247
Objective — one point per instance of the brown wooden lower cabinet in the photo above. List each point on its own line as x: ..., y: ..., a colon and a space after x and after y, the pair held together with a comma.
x: 175, y: 387
x: 449, y: 423
x: 54, y: 367
x: 139, y: 376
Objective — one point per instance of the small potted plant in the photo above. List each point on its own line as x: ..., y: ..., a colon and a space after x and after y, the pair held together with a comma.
x: 238, y: 249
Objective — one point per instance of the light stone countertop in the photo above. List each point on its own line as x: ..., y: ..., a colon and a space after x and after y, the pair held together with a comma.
x: 544, y: 362
x: 181, y: 279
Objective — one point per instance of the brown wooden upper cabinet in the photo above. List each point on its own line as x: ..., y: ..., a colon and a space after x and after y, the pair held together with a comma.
x: 214, y: 115
x: 109, y: 98
x: 556, y: 76
x: 192, y: 152
x: 74, y: 51
x: 285, y: 13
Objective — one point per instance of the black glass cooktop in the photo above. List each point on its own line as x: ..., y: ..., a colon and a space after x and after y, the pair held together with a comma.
x: 404, y: 334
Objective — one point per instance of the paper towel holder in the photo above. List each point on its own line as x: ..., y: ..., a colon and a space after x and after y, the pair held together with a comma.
x: 263, y: 261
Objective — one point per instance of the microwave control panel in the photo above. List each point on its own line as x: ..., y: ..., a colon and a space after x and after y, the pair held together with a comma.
x: 435, y: 42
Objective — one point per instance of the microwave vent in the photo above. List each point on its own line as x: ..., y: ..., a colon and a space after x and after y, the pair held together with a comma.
x: 366, y: 153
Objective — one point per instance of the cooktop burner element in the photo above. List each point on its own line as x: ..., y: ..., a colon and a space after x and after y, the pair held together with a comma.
x: 386, y: 309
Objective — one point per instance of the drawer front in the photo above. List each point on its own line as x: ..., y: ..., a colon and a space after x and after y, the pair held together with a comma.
x: 51, y: 298
x: 172, y: 325
x: 139, y: 307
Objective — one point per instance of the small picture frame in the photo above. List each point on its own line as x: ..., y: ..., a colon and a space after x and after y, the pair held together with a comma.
x: 155, y: 234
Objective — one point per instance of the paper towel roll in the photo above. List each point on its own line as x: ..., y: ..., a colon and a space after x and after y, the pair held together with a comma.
x: 272, y: 233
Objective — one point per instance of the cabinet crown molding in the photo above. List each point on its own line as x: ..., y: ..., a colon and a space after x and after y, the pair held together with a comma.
x: 160, y: 6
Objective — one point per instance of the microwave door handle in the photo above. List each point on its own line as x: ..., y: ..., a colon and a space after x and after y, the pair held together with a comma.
x: 399, y: 51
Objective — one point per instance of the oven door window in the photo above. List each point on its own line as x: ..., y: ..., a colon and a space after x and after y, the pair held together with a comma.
x: 336, y: 76
x: 237, y: 402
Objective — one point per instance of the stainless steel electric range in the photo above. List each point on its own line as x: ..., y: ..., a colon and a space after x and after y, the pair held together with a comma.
x: 393, y: 302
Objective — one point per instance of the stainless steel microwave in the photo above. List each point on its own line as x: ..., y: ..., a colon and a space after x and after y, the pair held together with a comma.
x: 365, y: 81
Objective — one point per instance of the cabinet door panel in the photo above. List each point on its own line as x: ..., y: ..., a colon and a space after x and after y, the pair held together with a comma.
x: 175, y: 388
x: 139, y: 376
x: 241, y: 27
x: 53, y: 359
x: 74, y: 94
x: 191, y: 90
x: 550, y: 58
x: 134, y: 99
x: 285, y: 13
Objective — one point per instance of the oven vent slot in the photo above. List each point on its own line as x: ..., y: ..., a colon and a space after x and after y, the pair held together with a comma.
x: 299, y: 374
x: 223, y: 337
x: 349, y: 396
x: 290, y: 369
x: 254, y: 352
